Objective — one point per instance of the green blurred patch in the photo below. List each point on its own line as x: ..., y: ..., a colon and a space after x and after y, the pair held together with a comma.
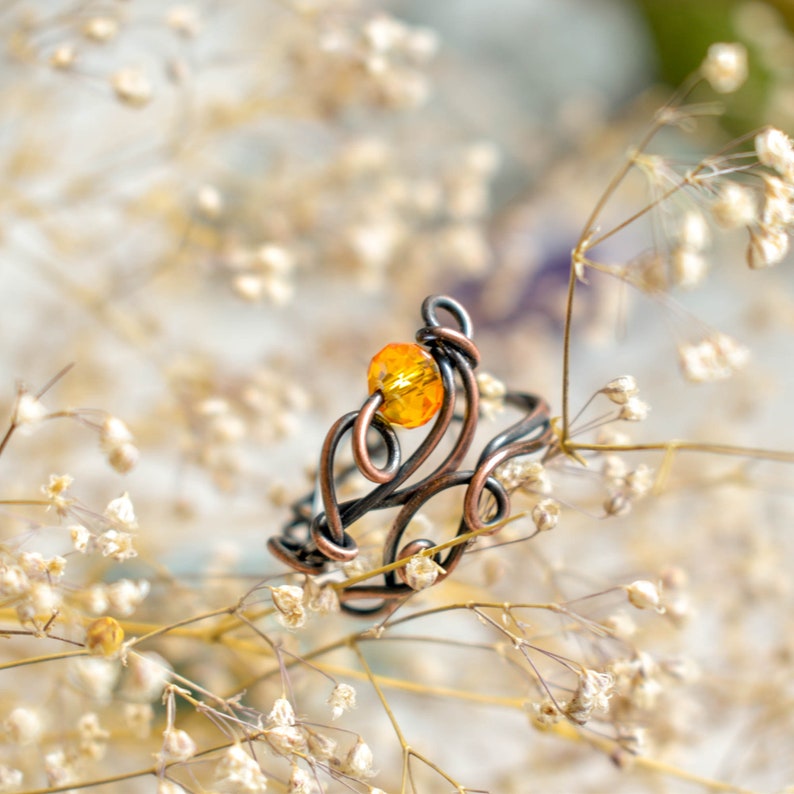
x: 683, y: 30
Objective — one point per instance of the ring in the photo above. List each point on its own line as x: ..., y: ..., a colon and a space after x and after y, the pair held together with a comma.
x: 410, y: 384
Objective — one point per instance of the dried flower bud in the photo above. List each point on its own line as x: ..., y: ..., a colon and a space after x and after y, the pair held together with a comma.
x: 287, y: 739
x: 10, y: 778
x: 104, y: 637
x: 117, y: 545
x: 774, y: 149
x: 634, y: 410
x: 644, y: 595
x: 421, y: 572
x: 342, y: 699
x: 689, y: 267
x: 23, y: 726
x: 300, y: 781
x: 693, y: 233
x: 621, y: 389
x: 768, y: 246
x: 735, y: 206
x: 281, y: 714
x: 184, y: 20
x: 239, y: 773
x: 63, y: 57
x: 125, y: 595
x: 288, y: 600
x: 28, y: 410
x: 145, y: 677
x: 178, y: 745
x: 120, y: 511
x: 80, y: 536
x: 209, y: 202
x: 101, y: 29
x: 546, y: 515
x: 592, y: 693
x: 725, y: 67
x: 359, y: 760
x: 132, y: 87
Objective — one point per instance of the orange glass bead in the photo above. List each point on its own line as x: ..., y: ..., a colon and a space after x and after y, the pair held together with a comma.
x: 408, y: 377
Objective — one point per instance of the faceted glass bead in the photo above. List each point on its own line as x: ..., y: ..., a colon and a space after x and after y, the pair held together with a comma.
x: 408, y: 377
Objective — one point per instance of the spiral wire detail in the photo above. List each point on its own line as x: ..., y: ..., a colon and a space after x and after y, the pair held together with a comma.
x: 317, y: 535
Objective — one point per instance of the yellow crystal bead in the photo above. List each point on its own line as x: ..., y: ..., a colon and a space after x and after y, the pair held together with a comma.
x: 408, y: 378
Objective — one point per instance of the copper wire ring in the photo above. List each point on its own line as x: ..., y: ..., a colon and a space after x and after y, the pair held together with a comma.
x: 313, y: 544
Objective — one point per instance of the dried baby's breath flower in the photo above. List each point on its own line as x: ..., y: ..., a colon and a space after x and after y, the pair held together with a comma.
x: 178, y: 745
x: 735, y: 206
x: 421, y: 572
x: 121, y: 512
x: 489, y: 386
x: 23, y: 726
x: 592, y: 693
x: 37, y: 567
x: 42, y: 601
x: 288, y: 600
x: 300, y: 781
x: 644, y: 595
x: 714, y: 358
x: 125, y: 595
x: 689, y: 267
x: 621, y: 389
x: 321, y: 746
x: 545, y: 713
x: 145, y: 677
x: 281, y: 714
x: 359, y: 759
x: 524, y: 473
x: 116, y: 544
x: 59, y: 769
x: 101, y: 29
x: 56, y: 492
x: 546, y: 515
x: 81, y: 537
x: 29, y: 410
x: 640, y: 481
x: 63, y: 57
x: 777, y: 209
x: 774, y: 149
x: 116, y: 441
x: 621, y: 625
x: 132, y: 87
x: 693, y: 233
x: 239, y: 773
x: 725, y: 67
x: 209, y: 202
x: 104, y: 637
x: 342, y: 699
x: 492, y: 392
x: 13, y: 581
x: 184, y: 19
x: 634, y: 410
x: 10, y: 778
x: 93, y: 737
x: 768, y: 246
x: 322, y: 600
x: 95, y: 676
x: 287, y: 739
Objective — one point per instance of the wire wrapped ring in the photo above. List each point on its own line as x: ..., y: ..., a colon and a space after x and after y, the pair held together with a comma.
x: 409, y: 385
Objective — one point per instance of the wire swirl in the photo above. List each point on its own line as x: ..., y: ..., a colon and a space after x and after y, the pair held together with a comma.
x: 317, y: 535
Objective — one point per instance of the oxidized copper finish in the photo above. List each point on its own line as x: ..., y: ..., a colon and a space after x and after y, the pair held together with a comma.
x: 313, y: 540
